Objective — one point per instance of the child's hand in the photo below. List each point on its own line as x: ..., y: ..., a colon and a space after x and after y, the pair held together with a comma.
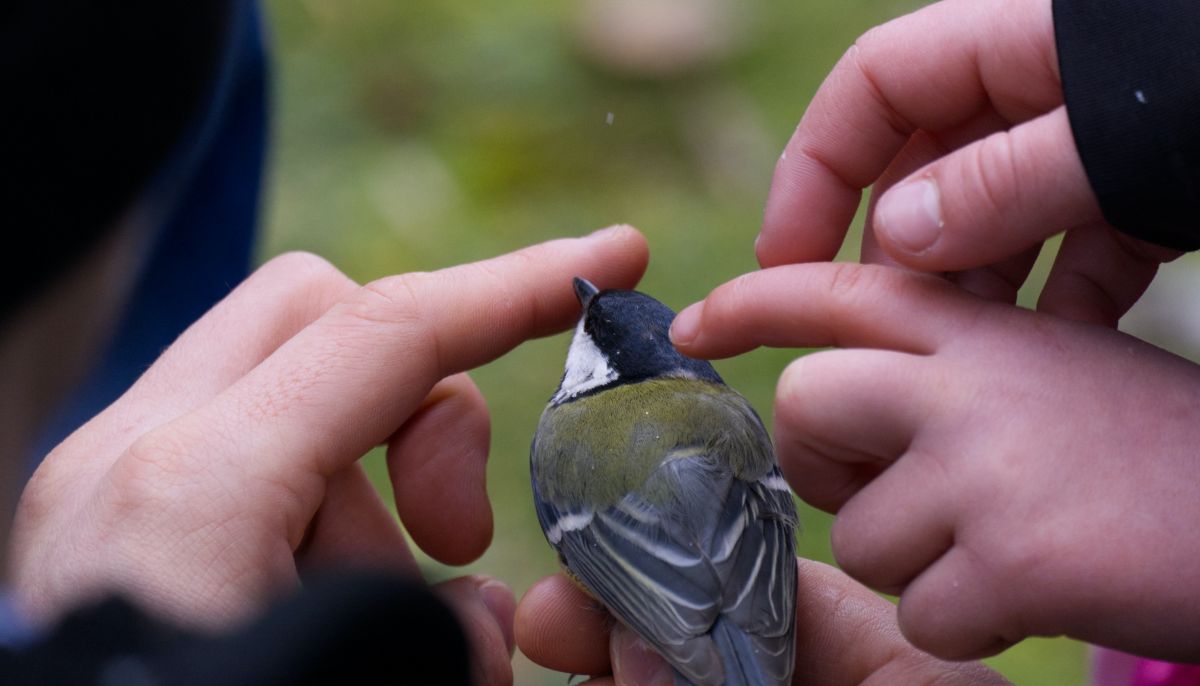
x: 230, y: 467
x: 958, y: 109
x: 1008, y: 473
x: 845, y: 636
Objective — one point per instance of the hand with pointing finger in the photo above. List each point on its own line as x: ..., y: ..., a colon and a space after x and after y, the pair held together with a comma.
x: 1007, y: 473
x: 230, y: 467
x: 956, y: 115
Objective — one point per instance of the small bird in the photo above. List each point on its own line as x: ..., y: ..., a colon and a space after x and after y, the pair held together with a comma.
x: 657, y: 484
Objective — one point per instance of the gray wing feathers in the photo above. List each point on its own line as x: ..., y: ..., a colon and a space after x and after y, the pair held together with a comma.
x: 679, y: 571
x: 661, y: 589
x: 764, y: 577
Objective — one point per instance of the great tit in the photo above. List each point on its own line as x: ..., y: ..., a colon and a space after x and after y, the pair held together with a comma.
x: 658, y: 486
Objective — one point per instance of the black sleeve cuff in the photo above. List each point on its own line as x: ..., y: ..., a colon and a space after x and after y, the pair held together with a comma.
x: 1131, y: 79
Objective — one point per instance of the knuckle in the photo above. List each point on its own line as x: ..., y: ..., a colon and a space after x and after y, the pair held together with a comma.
x: 302, y: 268
x: 844, y: 543
x: 867, y: 43
x: 956, y: 620
x: 172, y: 483
x: 916, y: 619
x: 151, y: 468
x: 994, y: 165
x: 300, y: 282
x: 791, y: 393
x: 299, y: 261
x: 392, y: 306
x: 1017, y: 559
x: 848, y: 280
x: 807, y: 378
x: 155, y: 447
x: 860, y: 546
x: 787, y: 391
x: 40, y: 497
x: 866, y: 63
x: 393, y: 302
x: 732, y: 297
x: 392, y: 299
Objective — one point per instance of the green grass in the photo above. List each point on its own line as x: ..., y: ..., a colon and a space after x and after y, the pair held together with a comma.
x: 415, y: 135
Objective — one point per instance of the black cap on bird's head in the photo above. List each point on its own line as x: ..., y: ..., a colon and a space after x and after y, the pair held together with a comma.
x: 622, y: 337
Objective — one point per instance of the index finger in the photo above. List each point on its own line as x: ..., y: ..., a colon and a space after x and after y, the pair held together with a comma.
x: 931, y: 70
x: 840, y: 304
x: 347, y: 381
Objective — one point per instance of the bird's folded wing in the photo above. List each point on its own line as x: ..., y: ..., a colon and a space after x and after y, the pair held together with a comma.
x: 669, y: 569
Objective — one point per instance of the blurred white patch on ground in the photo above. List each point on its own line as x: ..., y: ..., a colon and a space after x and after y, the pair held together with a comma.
x: 1168, y: 315
x: 660, y: 38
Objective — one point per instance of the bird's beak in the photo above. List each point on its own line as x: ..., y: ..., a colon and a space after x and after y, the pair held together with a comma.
x: 585, y: 291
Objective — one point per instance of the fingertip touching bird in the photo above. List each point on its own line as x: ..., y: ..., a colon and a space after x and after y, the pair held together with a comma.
x: 658, y: 486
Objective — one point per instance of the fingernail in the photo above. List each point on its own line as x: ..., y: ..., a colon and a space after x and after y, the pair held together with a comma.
x: 910, y: 216
x: 686, y: 326
x: 502, y: 605
x: 608, y: 231
x: 637, y: 663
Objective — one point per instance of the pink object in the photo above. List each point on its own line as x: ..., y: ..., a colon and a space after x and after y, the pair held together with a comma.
x: 1154, y: 673
x: 1110, y: 668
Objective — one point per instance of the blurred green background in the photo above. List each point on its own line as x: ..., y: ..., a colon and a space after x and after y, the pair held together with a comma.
x: 416, y: 135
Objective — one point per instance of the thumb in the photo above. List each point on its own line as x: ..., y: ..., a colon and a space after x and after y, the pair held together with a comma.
x: 989, y: 200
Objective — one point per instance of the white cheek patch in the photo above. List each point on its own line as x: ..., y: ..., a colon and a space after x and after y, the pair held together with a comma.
x: 586, y: 368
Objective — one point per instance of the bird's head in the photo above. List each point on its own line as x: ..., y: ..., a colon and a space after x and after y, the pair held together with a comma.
x: 622, y: 337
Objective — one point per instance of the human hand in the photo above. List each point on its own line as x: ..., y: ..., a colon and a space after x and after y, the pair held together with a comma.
x: 955, y: 114
x: 230, y: 467
x: 1006, y: 472
x: 845, y: 635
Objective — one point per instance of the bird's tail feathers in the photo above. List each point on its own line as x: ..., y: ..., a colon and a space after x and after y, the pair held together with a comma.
x: 737, y: 654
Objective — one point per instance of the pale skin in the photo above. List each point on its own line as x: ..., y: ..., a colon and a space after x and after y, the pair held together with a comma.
x: 230, y: 468
x: 845, y: 635
x: 964, y: 97
x: 1008, y: 473
x: 931, y: 82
